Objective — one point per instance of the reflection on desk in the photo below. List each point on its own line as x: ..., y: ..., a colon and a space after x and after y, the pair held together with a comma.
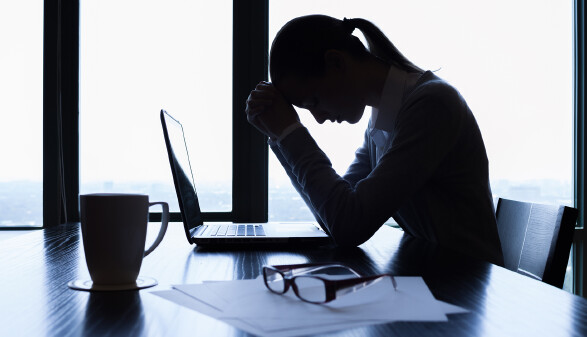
x: 35, y: 299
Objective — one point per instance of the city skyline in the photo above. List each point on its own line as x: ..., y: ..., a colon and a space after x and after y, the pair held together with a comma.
x: 21, y: 202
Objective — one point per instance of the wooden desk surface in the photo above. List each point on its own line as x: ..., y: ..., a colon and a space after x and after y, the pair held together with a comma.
x: 35, y: 299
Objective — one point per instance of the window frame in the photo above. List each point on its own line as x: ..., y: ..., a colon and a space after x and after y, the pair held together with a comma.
x: 61, y: 115
x: 578, y: 251
x: 250, y: 151
x: 60, y: 112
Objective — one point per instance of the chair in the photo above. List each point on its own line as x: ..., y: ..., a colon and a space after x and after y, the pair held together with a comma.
x: 536, y: 239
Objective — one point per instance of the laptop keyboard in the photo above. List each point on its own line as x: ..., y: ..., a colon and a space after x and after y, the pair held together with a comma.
x: 234, y: 230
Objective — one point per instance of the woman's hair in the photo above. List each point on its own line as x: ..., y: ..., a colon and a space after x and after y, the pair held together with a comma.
x: 300, y: 46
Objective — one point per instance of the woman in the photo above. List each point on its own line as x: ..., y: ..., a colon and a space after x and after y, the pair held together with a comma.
x: 423, y: 161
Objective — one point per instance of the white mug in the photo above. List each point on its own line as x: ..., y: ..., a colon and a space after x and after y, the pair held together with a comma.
x: 114, y: 230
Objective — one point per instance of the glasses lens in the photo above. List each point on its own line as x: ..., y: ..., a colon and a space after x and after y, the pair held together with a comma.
x: 274, y: 281
x: 311, y: 289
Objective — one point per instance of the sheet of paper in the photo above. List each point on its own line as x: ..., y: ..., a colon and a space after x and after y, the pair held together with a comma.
x: 188, y: 302
x: 201, y: 292
x: 253, y: 326
x: 412, y: 301
x: 248, y: 305
x: 451, y: 308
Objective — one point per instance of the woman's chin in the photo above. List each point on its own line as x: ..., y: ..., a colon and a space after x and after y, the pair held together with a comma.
x: 354, y: 119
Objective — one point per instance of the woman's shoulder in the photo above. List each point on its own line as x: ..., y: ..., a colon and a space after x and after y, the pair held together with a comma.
x: 432, y: 89
x: 430, y: 83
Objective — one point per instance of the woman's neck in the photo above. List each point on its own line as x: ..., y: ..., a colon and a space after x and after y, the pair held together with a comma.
x: 374, y: 76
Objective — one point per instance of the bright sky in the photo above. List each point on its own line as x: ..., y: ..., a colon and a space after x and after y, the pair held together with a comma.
x: 511, y: 60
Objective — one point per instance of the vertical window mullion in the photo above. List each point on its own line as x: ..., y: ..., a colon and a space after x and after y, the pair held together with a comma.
x: 250, y: 153
x: 51, y: 186
x: 579, y: 147
x: 60, y: 112
x: 70, y: 105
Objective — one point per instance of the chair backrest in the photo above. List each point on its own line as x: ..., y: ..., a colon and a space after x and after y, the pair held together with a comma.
x: 536, y: 239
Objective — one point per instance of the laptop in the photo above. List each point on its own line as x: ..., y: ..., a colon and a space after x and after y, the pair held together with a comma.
x: 223, y: 233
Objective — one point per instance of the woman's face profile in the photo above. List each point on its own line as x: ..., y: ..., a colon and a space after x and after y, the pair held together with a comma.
x: 327, y: 97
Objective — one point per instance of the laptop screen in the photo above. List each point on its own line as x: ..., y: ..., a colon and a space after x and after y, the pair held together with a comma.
x: 182, y: 172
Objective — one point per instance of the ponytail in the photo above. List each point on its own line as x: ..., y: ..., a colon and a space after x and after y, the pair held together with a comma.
x: 380, y: 46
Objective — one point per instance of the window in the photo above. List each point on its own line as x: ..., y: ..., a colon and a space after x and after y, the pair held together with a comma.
x: 21, y: 129
x: 142, y: 46
x: 147, y: 56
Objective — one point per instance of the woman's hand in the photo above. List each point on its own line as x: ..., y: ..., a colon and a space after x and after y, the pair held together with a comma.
x: 268, y: 111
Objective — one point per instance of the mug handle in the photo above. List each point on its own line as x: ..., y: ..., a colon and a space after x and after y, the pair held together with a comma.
x: 164, y: 221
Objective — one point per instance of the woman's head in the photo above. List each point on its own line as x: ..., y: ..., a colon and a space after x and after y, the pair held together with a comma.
x: 308, y: 50
x: 300, y: 45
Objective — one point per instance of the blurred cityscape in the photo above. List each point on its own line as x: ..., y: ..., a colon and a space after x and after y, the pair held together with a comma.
x: 21, y: 201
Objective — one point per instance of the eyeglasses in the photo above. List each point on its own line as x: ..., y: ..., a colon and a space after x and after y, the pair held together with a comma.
x: 316, y: 289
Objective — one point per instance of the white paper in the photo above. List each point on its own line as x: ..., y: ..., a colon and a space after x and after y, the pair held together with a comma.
x: 413, y: 301
x: 188, y: 302
x: 253, y: 325
x: 451, y: 308
x: 248, y: 305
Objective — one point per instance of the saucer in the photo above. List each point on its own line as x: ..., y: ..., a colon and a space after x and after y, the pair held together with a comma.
x: 87, y: 285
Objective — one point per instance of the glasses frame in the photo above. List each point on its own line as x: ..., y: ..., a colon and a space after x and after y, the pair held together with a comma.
x: 331, y: 286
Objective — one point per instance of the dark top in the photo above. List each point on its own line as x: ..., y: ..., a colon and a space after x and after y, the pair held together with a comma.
x: 431, y: 175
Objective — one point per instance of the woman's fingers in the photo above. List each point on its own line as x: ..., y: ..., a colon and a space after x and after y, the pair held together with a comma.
x: 253, y: 113
x: 265, y: 85
x: 261, y: 95
x: 253, y: 102
x: 268, y: 110
x: 259, y: 99
x: 254, y: 107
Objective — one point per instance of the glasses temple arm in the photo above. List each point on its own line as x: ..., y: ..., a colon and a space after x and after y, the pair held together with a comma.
x: 298, y: 269
x: 343, y: 287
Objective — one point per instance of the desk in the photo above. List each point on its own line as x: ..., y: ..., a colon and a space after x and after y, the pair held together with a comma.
x: 35, y: 299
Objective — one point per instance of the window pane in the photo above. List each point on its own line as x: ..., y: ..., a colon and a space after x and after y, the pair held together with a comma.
x: 21, y: 129
x: 137, y: 57
x: 517, y: 77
